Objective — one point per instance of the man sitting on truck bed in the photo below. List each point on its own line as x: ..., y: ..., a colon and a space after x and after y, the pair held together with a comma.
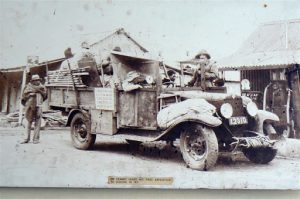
x: 107, y: 78
x: 106, y: 67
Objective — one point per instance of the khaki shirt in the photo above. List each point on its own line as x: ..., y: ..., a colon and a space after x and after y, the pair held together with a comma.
x: 33, y: 97
x: 211, y: 73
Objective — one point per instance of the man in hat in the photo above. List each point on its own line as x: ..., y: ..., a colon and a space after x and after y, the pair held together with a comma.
x: 206, y: 73
x: 132, y: 81
x: 106, y: 66
x: 135, y: 80
x: 32, y: 98
x: 170, y: 81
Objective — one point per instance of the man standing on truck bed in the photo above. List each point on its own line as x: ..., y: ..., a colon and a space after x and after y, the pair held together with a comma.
x: 32, y: 98
x: 206, y: 73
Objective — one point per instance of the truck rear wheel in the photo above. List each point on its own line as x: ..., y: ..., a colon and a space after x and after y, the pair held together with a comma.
x: 81, y: 132
x: 199, y: 147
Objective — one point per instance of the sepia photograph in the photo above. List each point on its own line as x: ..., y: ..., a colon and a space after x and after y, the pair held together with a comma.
x: 150, y: 94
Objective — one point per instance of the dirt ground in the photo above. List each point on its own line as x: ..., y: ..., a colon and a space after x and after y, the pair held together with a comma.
x: 54, y: 162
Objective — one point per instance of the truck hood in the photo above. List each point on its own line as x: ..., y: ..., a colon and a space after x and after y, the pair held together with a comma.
x: 204, y: 95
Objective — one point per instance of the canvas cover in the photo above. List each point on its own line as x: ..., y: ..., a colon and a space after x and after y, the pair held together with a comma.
x: 191, y: 108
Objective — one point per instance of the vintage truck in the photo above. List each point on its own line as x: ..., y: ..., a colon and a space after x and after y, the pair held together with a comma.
x: 206, y: 122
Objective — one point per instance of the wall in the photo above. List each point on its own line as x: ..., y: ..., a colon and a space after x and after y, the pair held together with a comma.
x: 233, y: 87
x: 3, y: 92
x: 11, y: 83
x: 14, y: 90
x: 259, y: 79
x: 105, y: 46
x: 232, y: 76
x: 232, y: 82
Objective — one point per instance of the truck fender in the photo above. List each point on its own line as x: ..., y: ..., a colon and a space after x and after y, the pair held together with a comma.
x: 205, y: 119
x: 263, y: 116
x: 193, y: 109
x: 74, y: 112
x: 266, y: 115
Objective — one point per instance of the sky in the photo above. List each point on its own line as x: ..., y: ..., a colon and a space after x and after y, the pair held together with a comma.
x: 175, y: 29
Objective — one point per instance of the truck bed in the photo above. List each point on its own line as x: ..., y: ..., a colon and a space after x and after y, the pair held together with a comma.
x: 65, y: 97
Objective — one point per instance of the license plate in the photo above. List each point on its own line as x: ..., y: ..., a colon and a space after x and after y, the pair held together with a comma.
x: 237, y: 120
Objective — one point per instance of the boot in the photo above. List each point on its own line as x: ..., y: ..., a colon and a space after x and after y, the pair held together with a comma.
x: 28, y: 129
x: 37, y: 126
x: 25, y: 141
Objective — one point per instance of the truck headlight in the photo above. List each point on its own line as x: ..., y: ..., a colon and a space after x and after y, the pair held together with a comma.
x: 226, y: 110
x: 252, y: 109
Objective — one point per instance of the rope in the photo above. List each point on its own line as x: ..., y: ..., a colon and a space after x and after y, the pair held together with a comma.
x: 253, y: 142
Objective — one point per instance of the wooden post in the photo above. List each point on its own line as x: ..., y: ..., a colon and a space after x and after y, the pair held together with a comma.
x: 182, y: 75
x: 22, y: 88
x: 102, y: 75
x: 74, y: 86
x: 46, y: 105
x: 101, y: 69
x: 202, y: 69
x: 165, y: 70
x: 47, y: 69
x: 5, y: 102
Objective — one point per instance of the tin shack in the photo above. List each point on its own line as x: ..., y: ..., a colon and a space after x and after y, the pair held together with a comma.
x: 267, y: 69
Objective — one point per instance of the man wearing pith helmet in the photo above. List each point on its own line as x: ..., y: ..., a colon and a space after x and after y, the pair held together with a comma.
x: 32, y: 98
x: 206, y: 73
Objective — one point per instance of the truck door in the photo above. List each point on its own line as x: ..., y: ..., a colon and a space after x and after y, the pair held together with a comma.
x: 138, y: 108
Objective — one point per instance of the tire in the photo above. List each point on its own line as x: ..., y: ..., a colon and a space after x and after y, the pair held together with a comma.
x: 260, y: 155
x: 199, y: 147
x: 81, y: 132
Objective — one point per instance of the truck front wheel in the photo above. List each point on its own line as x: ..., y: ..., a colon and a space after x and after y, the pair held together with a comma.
x: 81, y: 132
x: 260, y: 155
x: 199, y: 146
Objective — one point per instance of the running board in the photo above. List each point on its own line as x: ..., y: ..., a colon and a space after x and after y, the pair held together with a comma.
x: 141, y: 136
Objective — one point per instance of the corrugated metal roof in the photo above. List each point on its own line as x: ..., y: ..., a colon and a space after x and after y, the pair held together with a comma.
x: 21, y: 68
x: 273, y: 44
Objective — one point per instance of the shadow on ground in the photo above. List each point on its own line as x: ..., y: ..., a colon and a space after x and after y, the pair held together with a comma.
x: 155, y: 151
x: 164, y: 152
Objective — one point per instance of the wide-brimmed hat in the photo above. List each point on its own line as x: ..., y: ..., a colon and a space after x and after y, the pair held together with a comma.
x: 35, y: 77
x: 202, y: 52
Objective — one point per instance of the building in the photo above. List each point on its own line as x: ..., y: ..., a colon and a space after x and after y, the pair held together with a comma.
x: 271, y: 46
x: 120, y: 39
x: 11, y: 82
x: 11, y: 78
x: 270, y: 60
